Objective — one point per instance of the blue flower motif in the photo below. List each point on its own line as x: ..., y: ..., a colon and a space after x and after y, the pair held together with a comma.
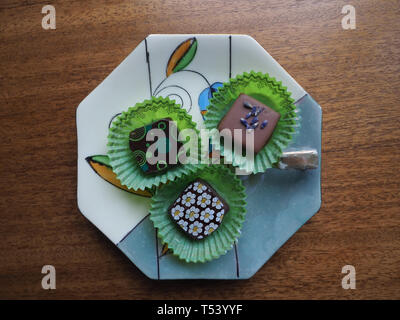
x: 206, y: 95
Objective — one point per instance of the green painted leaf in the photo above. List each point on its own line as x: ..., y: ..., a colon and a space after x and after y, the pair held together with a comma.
x: 102, y: 159
x: 187, y: 58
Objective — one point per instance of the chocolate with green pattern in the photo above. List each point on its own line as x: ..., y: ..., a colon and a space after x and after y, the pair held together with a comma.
x: 139, y: 144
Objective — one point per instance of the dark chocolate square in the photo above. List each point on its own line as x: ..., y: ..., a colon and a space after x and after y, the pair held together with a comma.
x: 242, y: 115
x: 139, y: 145
x: 198, y: 210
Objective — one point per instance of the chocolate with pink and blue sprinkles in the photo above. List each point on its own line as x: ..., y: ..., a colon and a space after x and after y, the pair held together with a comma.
x: 199, y: 210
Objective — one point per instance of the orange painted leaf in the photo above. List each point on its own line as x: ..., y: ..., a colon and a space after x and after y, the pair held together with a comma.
x: 165, y: 250
x: 182, y: 56
x: 100, y: 165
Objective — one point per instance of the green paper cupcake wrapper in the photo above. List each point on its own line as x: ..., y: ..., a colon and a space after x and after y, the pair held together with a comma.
x: 121, y: 156
x: 270, y: 92
x: 229, y: 187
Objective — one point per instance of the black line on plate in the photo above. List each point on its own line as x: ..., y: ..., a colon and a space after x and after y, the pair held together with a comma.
x: 159, y: 85
x: 237, y: 261
x: 113, y: 117
x: 156, y: 91
x: 298, y: 100
x: 230, y: 57
x: 179, y: 87
x: 193, y: 71
x: 176, y: 95
x: 158, y: 259
x: 148, y: 66
x: 133, y: 228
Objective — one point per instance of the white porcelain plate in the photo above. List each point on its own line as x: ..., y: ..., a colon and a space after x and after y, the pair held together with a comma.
x: 188, y: 68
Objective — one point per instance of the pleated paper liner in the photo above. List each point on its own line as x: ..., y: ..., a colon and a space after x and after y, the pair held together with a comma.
x: 270, y: 92
x: 121, y: 156
x: 229, y: 187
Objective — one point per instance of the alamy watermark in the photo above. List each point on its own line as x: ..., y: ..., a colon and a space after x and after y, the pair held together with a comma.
x: 49, y: 280
x: 49, y: 20
x: 349, y: 280
x: 199, y: 146
x: 349, y: 20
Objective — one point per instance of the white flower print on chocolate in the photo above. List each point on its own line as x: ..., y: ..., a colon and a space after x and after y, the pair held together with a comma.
x: 220, y: 216
x: 199, y: 187
x: 196, y: 228
x: 183, y: 224
x: 192, y: 213
x: 190, y: 186
x: 188, y: 199
x: 204, y: 200
x: 210, y: 228
x: 177, y: 212
x: 207, y: 215
x: 217, y: 203
x: 198, y: 210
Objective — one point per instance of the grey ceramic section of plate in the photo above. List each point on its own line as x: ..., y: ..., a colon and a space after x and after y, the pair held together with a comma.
x: 279, y: 203
x: 140, y: 246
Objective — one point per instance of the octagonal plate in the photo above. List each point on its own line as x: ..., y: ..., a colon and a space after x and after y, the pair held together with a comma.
x: 184, y: 67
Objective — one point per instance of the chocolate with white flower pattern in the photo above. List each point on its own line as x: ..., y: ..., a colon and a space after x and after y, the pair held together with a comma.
x: 198, y: 210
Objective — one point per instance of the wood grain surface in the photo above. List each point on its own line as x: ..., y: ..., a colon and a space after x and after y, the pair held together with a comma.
x: 353, y: 74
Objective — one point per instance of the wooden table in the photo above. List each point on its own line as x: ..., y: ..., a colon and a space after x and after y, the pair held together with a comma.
x: 353, y: 74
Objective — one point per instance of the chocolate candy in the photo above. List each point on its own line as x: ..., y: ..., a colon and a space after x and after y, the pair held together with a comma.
x: 249, y: 114
x: 199, y: 210
x: 139, y: 145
